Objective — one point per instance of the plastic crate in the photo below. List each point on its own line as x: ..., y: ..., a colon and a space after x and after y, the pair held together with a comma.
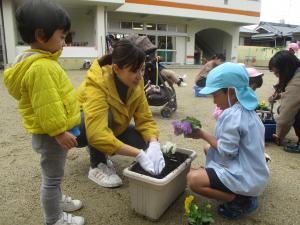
x: 151, y: 197
x: 270, y: 129
x: 197, y: 90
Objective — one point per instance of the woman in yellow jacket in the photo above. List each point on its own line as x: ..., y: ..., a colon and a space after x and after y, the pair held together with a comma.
x: 111, y: 95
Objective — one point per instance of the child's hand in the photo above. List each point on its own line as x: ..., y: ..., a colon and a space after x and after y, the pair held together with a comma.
x: 196, y: 134
x: 66, y: 140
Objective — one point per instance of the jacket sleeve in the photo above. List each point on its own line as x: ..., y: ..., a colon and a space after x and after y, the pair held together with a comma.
x: 289, y: 107
x: 45, y: 100
x: 144, y: 122
x: 229, y: 139
x: 95, y: 108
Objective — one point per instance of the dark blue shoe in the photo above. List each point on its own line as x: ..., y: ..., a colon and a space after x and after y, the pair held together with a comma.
x: 253, y: 205
x: 236, y: 208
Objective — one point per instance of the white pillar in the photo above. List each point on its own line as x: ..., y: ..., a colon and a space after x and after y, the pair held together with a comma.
x: 9, y: 30
x: 190, y: 45
x: 100, y: 27
x: 235, y: 44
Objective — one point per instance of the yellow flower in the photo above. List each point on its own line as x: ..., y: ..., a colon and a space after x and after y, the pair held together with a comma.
x: 187, y: 204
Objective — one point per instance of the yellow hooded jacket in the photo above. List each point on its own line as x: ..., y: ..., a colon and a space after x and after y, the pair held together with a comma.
x: 47, y: 99
x: 98, y: 95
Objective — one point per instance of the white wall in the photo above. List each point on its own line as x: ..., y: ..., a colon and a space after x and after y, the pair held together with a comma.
x: 69, y: 52
x: 82, y: 23
x: 9, y: 28
x: 180, y: 50
x: 246, y: 12
x: 100, y: 27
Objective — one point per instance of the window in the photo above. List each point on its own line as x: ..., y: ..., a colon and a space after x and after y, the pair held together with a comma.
x: 152, y: 39
x: 166, y: 48
x: 126, y: 25
x: 162, y: 27
x: 170, y: 42
x: 114, y: 24
x: 138, y: 26
x: 151, y: 26
x: 162, y: 42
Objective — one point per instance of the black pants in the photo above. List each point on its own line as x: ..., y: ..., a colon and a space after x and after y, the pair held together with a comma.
x: 130, y: 137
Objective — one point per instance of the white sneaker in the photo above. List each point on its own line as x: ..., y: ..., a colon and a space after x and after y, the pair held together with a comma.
x: 183, y: 77
x: 183, y: 81
x: 70, y: 205
x: 183, y: 84
x: 69, y: 219
x: 105, y: 175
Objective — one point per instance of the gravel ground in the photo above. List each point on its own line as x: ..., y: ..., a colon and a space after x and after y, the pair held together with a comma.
x: 20, y: 173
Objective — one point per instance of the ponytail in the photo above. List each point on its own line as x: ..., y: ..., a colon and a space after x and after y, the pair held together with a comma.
x: 105, y: 60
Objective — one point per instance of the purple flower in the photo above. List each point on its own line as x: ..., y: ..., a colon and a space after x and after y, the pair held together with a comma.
x: 182, y: 127
x: 186, y: 127
x: 177, y: 128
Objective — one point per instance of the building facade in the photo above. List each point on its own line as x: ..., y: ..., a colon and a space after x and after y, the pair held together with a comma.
x: 183, y: 30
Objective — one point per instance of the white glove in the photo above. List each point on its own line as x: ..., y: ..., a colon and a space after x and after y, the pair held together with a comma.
x: 156, y: 156
x: 145, y: 162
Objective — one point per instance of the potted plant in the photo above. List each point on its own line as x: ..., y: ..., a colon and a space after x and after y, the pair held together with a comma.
x: 195, y: 214
x: 266, y: 116
x: 152, y: 195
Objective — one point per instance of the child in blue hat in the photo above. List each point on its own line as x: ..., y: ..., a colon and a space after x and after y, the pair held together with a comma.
x: 236, y: 171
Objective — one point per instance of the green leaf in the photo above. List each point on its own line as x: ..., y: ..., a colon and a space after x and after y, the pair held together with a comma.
x: 195, y: 124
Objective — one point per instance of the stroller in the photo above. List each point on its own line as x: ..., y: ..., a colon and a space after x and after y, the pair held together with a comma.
x: 158, y: 91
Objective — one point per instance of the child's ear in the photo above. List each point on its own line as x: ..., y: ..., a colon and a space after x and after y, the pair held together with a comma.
x: 232, y: 93
x: 39, y: 35
x: 115, y: 68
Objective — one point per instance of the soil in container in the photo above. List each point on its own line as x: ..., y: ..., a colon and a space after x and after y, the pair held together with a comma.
x: 171, y: 164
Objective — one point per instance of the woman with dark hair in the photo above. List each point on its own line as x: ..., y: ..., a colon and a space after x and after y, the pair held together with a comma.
x: 285, y: 66
x: 111, y: 95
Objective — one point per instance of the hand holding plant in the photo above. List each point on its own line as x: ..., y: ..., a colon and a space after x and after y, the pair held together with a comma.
x: 195, y: 214
x: 186, y: 126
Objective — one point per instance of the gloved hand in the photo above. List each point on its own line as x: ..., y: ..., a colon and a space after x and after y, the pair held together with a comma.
x: 155, y: 154
x: 145, y: 162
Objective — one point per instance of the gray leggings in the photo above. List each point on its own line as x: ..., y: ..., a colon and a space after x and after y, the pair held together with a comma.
x: 53, y: 159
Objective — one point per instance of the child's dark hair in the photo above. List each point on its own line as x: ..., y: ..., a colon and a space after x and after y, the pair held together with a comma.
x: 219, y: 56
x: 225, y: 90
x: 125, y: 53
x: 41, y: 14
x: 286, y: 63
x: 256, y: 80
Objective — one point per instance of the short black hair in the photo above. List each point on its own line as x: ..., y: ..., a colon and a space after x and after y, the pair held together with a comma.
x: 256, y: 80
x: 221, y: 57
x: 286, y: 63
x: 41, y: 14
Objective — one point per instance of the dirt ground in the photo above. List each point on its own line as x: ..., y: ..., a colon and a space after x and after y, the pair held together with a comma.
x: 20, y: 173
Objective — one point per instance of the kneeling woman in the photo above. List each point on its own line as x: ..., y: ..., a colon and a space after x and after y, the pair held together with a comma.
x: 111, y: 95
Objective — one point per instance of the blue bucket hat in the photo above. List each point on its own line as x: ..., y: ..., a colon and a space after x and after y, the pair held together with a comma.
x: 231, y: 75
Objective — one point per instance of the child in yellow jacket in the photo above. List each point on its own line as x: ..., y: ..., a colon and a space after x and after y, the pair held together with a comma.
x: 47, y: 101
